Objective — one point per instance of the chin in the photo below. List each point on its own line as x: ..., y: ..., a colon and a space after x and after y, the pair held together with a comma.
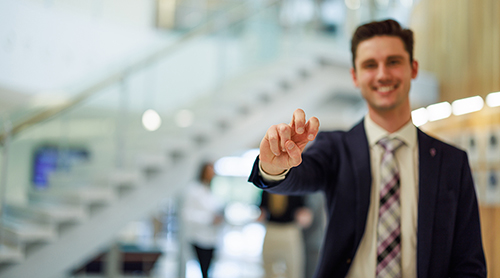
x: 384, y: 107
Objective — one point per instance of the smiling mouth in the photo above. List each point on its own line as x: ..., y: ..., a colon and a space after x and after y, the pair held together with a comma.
x: 385, y: 89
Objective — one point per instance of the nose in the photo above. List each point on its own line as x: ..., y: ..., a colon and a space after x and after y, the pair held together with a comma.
x: 383, y: 74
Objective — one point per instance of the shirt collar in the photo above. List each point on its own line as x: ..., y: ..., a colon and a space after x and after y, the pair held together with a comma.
x: 407, y: 134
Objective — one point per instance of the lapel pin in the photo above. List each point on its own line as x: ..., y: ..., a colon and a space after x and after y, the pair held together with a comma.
x: 433, y: 152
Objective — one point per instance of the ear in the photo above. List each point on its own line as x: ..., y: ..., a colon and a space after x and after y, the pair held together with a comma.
x: 354, y: 77
x: 414, y: 69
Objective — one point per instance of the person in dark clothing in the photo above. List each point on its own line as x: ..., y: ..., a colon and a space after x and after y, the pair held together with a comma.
x: 400, y: 203
x: 283, y: 250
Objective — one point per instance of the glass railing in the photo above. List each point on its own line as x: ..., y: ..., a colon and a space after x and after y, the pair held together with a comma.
x: 155, y: 47
x: 191, y: 76
x: 186, y: 80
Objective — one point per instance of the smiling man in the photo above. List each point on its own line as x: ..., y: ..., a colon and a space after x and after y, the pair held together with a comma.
x: 400, y: 203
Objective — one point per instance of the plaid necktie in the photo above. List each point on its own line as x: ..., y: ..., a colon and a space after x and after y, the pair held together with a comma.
x: 388, y: 229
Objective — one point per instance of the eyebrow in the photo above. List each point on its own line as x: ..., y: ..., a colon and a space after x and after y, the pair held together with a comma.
x: 395, y: 57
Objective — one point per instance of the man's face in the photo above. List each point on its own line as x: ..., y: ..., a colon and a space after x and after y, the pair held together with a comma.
x: 383, y: 73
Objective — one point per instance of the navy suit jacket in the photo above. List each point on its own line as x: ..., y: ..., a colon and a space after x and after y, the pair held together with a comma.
x: 448, y: 233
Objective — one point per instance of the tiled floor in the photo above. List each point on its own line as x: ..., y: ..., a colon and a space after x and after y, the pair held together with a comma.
x: 238, y: 255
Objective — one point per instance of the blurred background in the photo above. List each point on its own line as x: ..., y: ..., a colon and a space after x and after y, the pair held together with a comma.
x: 108, y: 107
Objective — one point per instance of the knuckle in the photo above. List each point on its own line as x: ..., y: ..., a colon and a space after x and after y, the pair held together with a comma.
x: 272, y: 137
x: 297, y: 162
x: 283, y: 128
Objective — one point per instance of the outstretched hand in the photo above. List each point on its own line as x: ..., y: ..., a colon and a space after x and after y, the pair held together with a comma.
x: 282, y: 146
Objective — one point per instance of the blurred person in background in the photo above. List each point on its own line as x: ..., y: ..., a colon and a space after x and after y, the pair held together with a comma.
x: 203, y: 216
x: 283, y: 250
x: 313, y: 235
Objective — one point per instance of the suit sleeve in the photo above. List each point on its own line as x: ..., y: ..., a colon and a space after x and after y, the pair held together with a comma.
x: 311, y: 175
x: 467, y: 259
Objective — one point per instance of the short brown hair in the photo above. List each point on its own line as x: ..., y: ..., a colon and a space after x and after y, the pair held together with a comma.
x: 382, y: 28
x: 202, y: 172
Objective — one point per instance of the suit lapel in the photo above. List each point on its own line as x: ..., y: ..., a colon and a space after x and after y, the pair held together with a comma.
x: 357, y: 145
x: 429, y: 161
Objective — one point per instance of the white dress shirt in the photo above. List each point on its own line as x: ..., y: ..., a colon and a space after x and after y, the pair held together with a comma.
x: 365, y: 259
x: 200, y: 209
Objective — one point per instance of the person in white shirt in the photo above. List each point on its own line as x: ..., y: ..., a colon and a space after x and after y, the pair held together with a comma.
x: 203, y: 215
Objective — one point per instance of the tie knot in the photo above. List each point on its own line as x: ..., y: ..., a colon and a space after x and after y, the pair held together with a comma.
x: 390, y: 144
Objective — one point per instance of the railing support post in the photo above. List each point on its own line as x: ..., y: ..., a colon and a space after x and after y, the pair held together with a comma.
x: 121, y: 125
x: 3, y: 178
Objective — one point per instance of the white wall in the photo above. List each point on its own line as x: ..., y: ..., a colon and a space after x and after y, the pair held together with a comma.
x: 135, y: 13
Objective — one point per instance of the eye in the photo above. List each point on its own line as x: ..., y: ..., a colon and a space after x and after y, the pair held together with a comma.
x: 394, y: 62
x: 370, y: 66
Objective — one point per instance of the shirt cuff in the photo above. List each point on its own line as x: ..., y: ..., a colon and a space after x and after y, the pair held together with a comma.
x: 272, y: 178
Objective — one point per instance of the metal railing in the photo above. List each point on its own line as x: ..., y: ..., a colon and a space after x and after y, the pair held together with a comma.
x: 233, y: 15
x: 219, y: 21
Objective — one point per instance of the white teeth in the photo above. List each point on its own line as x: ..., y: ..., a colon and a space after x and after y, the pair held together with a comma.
x: 385, y: 89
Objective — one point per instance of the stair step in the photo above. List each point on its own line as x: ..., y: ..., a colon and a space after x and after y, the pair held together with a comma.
x: 62, y: 213
x: 84, y: 195
x: 22, y: 231
x: 47, y: 213
x: 10, y: 254
x: 124, y: 177
x: 93, y: 194
x: 66, y: 179
x: 154, y: 160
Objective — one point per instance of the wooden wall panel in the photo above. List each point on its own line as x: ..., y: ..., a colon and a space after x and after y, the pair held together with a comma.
x: 487, y: 44
x: 459, y: 41
x: 496, y: 45
x: 488, y: 215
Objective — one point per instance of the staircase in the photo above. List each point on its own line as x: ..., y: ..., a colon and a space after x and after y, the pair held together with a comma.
x: 62, y: 227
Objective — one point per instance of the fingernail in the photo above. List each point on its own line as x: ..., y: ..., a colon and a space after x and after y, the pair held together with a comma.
x: 290, y: 146
x: 300, y: 130
x: 310, y: 137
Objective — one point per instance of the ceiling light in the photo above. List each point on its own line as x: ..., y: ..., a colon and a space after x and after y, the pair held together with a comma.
x: 467, y: 105
x: 236, y: 166
x: 383, y: 4
x: 419, y: 116
x: 493, y: 99
x: 407, y: 3
x: 439, y: 111
x: 151, y: 120
x: 353, y: 4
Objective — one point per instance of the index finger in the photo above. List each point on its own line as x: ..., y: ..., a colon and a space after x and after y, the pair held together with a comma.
x: 312, y: 128
x: 298, y: 123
